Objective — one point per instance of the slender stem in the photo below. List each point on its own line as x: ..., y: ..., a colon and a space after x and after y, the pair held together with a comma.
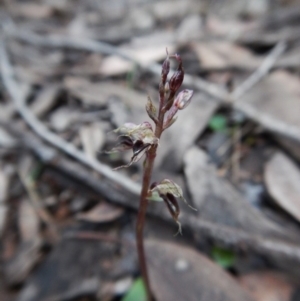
x: 151, y: 154
x: 141, y: 221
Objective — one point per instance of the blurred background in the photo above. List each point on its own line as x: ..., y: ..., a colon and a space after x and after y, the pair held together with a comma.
x: 71, y: 72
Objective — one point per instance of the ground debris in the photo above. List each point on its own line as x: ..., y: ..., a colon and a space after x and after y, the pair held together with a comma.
x: 71, y: 73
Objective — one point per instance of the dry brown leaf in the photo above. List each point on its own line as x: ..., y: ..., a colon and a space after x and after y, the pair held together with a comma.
x: 101, y: 213
x: 31, y: 10
x: 61, y: 118
x: 165, y: 10
x: 92, y: 139
x: 275, y: 98
x: 45, y: 100
x: 180, y: 273
x: 218, y: 201
x: 189, y: 125
x: 88, y: 92
x: 282, y: 178
x: 28, y: 221
x: 141, y: 19
x: 5, y: 175
x: 190, y: 28
x: 115, y: 65
x: 89, y: 66
x: 6, y: 140
x: 100, y: 93
x: 225, y: 28
x: 224, y: 55
x: 267, y: 286
x: 17, y: 268
x: 6, y: 111
x: 291, y: 146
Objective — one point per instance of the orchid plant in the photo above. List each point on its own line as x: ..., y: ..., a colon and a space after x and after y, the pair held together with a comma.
x: 144, y: 141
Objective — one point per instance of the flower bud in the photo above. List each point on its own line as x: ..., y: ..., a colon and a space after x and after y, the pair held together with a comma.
x: 183, y: 99
x: 165, y: 69
x: 177, y: 78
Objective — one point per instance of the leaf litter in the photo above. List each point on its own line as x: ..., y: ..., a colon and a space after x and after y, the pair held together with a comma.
x: 81, y: 95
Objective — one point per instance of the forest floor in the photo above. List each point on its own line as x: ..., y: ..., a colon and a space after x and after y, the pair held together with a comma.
x: 71, y: 72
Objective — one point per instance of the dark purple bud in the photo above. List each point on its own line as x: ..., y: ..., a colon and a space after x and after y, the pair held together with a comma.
x: 165, y: 69
x: 177, y: 78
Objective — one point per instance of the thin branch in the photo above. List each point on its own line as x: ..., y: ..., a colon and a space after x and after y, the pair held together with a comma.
x: 265, y: 119
x: 277, y: 249
x: 218, y: 94
x: 85, y: 44
x: 38, y: 127
x: 36, y: 203
x: 272, y: 248
x: 261, y: 71
x: 268, y: 121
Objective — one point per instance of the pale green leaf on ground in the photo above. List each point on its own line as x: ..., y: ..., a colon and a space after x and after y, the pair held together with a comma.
x: 217, y: 123
x: 137, y: 292
x: 225, y: 258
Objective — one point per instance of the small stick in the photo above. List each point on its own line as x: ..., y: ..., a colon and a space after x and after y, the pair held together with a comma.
x: 39, y: 128
x: 261, y: 72
x: 85, y: 44
x: 35, y: 201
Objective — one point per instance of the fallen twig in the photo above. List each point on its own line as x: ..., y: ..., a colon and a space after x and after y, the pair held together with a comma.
x: 272, y: 248
x: 262, y: 118
x: 39, y: 128
x: 84, y: 44
x: 261, y: 72
x: 37, y: 205
x: 218, y: 94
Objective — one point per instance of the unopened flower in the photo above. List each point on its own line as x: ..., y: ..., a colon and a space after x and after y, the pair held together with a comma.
x: 169, y: 192
x: 138, y: 137
x: 165, y: 69
x: 177, y: 78
x: 183, y: 99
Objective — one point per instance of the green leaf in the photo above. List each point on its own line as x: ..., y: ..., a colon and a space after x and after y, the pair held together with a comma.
x: 36, y: 171
x: 217, y: 123
x: 114, y: 156
x: 137, y: 292
x: 225, y: 258
x: 130, y: 76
